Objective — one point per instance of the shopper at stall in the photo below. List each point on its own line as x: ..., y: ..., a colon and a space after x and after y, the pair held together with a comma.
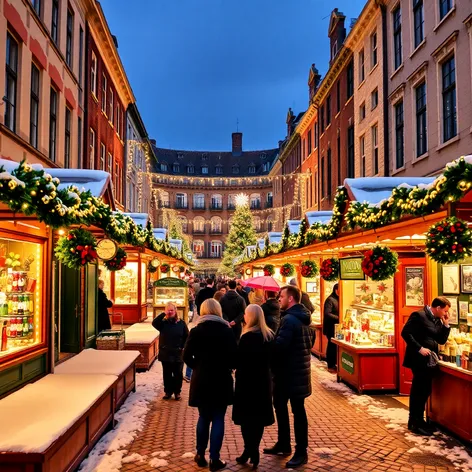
x: 173, y: 333
x: 271, y: 309
x: 256, y: 296
x: 306, y: 302
x: 218, y: 295
x: 330, y: 318
x: 242, y: 292
x: 252, y: 408
x: 205, y: 293
x: 104, y: 318
x: 423, y: 332
x: 211, y: 353
x: 233, y: 306
x: 291, y: 369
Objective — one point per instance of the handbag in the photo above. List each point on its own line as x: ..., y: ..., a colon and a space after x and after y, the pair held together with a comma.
x: 433, y: 361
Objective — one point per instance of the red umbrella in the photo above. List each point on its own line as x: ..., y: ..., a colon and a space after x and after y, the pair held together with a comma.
x: 266, y: 282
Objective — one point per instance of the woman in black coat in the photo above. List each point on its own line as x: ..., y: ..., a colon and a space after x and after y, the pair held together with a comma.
x: 103, y: 305
x: 211, y: 352
x: 330, y: 318
x: 252, y: 408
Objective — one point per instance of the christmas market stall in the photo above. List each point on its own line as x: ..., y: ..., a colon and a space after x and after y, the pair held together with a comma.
x: 170, y: 289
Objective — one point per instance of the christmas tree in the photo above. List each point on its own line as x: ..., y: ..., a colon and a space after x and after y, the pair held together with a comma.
x: 241, y: 234
x: 176, y: 232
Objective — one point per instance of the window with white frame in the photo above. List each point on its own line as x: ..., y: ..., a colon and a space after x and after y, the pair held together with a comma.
x: 219, y: 170
x: 110, y: 163
x: 397, y: 37
x: 361, y: 66
x: 375, y: 148
x: 421, y: 120
x: 176, y: 167
x: 374, y: 98
x: 110, y: 116
x: 255, y: 201
x: 93, y: 74
x: 257, y: 223
x: 102, y: 156
x: 34, y: 105
x: 164, y: 198
x: 92, y: 144
x: 199, y: 201
x: 373, y: 50
x: 104, y: 94
x: 183, y: 223
x: 270, y: 224
x: 199, y: 248
x: 216, y: 201
x: 181, y: 200
x: 449, y: 112
x: 362, y: 153
x: 445, y: 6
x: 418, y: 22
x: 216, y: 224
x: 69, y: 36
x: 199, y: 224
x: 205, y: 169
x: 163, y: 166
x: 362, y: 112
x: 215, y: 249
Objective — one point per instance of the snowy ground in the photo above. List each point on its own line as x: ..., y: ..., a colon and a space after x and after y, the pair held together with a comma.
x: 397, y: 420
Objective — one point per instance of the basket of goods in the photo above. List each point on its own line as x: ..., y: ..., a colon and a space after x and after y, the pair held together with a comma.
x: 112, y: 339
x: 329, y: 269
x: 118, y: 262
x: 309, y: 269
x: 269, y: 270
x: 380, y: 263
x: 287, y: 270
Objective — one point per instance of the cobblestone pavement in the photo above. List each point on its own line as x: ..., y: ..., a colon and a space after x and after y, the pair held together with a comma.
x: 343, y: 436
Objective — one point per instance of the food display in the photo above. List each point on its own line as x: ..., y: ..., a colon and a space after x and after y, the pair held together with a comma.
x: 170, y: 289
x: 19, y: 302
x: 164, y: 295
x: 126, y: 285
x: 458, y: 350
x: 368, y: 320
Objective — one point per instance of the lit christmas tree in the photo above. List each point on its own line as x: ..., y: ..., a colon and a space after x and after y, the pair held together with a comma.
x: 241, y: 234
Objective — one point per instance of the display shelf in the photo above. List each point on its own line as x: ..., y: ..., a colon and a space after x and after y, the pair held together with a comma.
x: 371, y: 308
x: 361, y: 348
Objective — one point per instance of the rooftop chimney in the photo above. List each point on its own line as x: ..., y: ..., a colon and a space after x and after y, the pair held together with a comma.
x: 115, y: 40
x: 153, y: 142
x: 237, y: 148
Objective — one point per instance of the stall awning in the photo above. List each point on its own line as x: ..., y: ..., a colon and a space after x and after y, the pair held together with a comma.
x: 177, y: 243
x: 160, y: 233
x: 293, y: 226
x: 261, y: 243
x: 274, y: 237
x: 318, y: 217
x: 139, y: 218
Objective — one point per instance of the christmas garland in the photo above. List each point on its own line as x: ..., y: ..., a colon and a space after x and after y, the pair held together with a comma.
x: 165, y: 268
x: 449, y: 241
x: 309, y: 269
x: 77, y: 248
x: 151, y: 269
x: 268, y: 269
x: 380, y: 263
x: 118, y: 262
x: 287, y: 270
x: 329, y: 269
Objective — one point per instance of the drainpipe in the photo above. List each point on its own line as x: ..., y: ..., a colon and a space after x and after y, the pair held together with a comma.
x: 386, y: 127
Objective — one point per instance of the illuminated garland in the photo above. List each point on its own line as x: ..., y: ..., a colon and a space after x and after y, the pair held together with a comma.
x: 380, y: 263
x: 77, y: 248
x: 449, y: 241
x: 309, y: 269
x: 329, y: 269
x: 287, y: 270
x: 269, y: 269
x: 118, y: 262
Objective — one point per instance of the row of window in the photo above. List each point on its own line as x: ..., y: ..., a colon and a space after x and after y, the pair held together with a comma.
x: 190, y: 168
x: 216, y: 200
x: 215, y: 248
x: 204, y: 156
x: 216, y: 224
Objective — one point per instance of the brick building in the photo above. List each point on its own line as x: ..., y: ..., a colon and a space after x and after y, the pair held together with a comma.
x: 199, y: 188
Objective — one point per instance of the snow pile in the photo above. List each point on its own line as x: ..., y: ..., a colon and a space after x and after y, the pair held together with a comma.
x: 188, y: 455
x: 135, y: 457
x: 158, y: 463
x: 109, y: 453
x: 160, y: 454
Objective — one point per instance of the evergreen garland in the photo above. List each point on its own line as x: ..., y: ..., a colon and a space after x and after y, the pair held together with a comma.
x: 287, y: 270
x: 309, y: 269
x: 165, y: 268
x: 118, y: 262
x: 380, y: 263
x: 329, y: 269
x: 76, y: 249
x: 151, y: 269
x: 269, y: 269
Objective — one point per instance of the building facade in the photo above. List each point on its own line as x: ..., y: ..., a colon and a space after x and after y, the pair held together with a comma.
x: 429, y: 77
x: 42, y: 108
x: 199, y: 189
x: 108, y: 95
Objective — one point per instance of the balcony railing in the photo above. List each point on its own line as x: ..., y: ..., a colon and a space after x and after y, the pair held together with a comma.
x: 216, y: 231
x: 198, y: 231
x: 218, y: 206
x: 198, y: 206
x: 269, y: 204
x: 231, y: 206
x: 181, y: 205
x: 255, y: 205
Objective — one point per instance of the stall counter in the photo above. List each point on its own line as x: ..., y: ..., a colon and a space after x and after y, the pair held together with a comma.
x: 321, y: 342
x: 367, y: 368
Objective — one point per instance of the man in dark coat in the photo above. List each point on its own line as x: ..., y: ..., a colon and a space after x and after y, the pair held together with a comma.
x: 305, y: 300
x: 173, y: 333
x: 233, y: 306
x: 242, y: 292
x: 271, y: 309
x: 423, y: 331
x: 103, y: 305
x: 330, y: 318
x: 292, y: 375
x: 205, y: 294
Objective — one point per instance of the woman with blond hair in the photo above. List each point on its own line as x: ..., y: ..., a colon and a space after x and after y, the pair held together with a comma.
x: 256, y: 296
x: 252, y: 408
x: 211, y: 353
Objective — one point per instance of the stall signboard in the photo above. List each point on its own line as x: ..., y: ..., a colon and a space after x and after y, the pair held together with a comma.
x: 350, y: 268
x: 347, y: 362
x: 170, y: 282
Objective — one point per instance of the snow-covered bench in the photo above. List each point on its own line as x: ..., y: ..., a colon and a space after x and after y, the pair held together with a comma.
x: 52, y: 424
x: 119, y: 363
x: 144, y: 338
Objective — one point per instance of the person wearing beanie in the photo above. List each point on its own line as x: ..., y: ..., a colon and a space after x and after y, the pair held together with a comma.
x: 306, y: 302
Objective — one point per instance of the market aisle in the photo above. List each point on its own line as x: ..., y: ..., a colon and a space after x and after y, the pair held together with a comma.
x: 347, y: 433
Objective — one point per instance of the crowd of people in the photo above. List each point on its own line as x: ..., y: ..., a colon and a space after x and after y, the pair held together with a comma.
x: 250, y: 350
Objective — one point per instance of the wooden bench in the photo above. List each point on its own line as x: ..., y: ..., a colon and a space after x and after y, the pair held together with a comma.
x: 51, y: 425
x: 144, y: 338
x: 119, y: 363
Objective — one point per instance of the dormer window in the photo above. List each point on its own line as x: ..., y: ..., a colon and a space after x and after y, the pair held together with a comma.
x: 204, y: 156
x: 219, y: 170
x: 190, y: 169
x: 235, y: 169
x: 163, y: 166
x: 263, y: 156
x: 176, y: 167
x: 204, y: 169
x: 252, y: 169
x: 265, y: 167
x: 180, y: 155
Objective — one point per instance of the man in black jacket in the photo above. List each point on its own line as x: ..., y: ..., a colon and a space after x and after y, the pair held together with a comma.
x: 330, y: 318
x: 233, y: 306
x: 305, y: 300
x: 240, y: 290
x: 271, y: 309
x: 205, y: 294
x: 423, y: 331
x: 292, y: 375
x: 173, y: 333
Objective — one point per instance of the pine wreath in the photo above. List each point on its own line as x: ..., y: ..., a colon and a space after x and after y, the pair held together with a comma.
x: 309, y: 269
x: 151, y: 268
x: 380, y: 263
x: 165, y: 268
x: 329, y: 269
x: 77, y: 248
x: 269, y: 269
x: 287, y: 270
x: 118, y: 262
x: 449, y: 241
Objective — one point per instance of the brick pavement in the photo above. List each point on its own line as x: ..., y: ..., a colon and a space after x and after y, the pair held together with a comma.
x: 342, y: 437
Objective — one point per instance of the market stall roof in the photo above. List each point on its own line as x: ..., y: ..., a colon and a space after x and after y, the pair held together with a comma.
x: 160, y: 233
x: 293, y: 226
x: 376, y: 189
x: 261, y: 243
x: 250, y: 249
x: 177, y: 243
x: 274, y: 237
x: 318, y: 216
x: 139, y: 218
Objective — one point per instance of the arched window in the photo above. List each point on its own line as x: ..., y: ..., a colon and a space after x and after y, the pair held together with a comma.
x: 164, y: 199
x: 255, y: 201
x: 198, y: 201
x: 215, y: 249
x: 269, y: 224
x: 183, y: 223
x: 216, y: 202
x: 216, y: 225
x: 176, y: 167
x: 181, y: 200
x: 257, y: 223
x: 199, y: 248
x: 164, y: 166
x: 231, y: 201
x: 199, y: 225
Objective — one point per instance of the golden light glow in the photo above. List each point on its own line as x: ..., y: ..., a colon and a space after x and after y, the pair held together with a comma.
x: 61, y: 232
x: 241, y: 199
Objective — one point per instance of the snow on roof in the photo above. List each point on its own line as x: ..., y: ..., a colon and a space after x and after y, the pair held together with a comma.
x: 139, y: 218
x: 35, y: 428
x: 91, y: 361
x: 160, y: 233
x: 375, y: 189
x: 318, y: 216
x: 274, y: 237
x: 94, y: 180
x: 177, y: 243
x: 261, y: 243
x: 293, y: 226
x: 140, y: 336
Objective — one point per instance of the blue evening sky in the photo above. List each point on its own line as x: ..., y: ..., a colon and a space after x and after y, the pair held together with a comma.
x: 197, y: 66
